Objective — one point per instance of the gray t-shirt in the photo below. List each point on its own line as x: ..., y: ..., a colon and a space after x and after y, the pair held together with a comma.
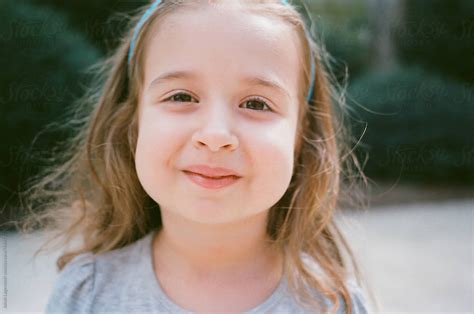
x: 123, y: 281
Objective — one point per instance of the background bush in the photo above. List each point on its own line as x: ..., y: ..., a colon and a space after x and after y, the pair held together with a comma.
x: 42, y: 62
x: 418, y: 120
x: 438, y: 34
x: 98, y: 21
x: 344, y: 30
x: 419, y: 125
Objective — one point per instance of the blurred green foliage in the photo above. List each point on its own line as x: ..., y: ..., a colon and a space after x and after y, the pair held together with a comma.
x: 98, y: 21
x: 419, y: 121
x: 438, y: 34
x: 42, y: 62
x: 419, y: 125
x: 419, y: 114
x: 344, y: 30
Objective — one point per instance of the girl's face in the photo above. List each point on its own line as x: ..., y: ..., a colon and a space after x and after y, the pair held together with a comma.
x: 203, y: 102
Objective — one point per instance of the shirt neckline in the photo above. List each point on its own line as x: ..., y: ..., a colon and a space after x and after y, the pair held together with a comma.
x: 164, y: 301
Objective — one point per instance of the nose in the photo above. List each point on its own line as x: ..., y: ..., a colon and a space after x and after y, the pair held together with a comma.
x: 215, y: 130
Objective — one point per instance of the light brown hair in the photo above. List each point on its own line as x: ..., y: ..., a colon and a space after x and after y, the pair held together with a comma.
x: 93, y: 191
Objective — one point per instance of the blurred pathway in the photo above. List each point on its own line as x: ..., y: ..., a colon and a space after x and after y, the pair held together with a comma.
x: 418, y: 258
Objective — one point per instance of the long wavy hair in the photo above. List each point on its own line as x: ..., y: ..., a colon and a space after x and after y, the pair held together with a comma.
x: 91, y: 189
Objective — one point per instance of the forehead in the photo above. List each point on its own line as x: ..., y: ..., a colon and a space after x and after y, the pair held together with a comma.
x: 222, y: 42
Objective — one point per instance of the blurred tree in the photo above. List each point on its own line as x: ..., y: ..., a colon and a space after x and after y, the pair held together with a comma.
x: 41, y: 61
x: 419, y: 125
x: 438, y: 34
x: 97, y: 20
x: 383, y: 15
x: 343, y: 27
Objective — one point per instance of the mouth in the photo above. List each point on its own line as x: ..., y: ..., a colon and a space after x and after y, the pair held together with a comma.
x: 211, y: 182
x: 208, y: 177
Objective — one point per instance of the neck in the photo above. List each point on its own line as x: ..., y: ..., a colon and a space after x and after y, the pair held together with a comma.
x: 224, y: 250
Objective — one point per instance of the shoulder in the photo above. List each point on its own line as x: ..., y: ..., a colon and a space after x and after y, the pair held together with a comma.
x: 74, y: 286
x: 88, y: 281
x: 359, y: 300
x: 358, y: 296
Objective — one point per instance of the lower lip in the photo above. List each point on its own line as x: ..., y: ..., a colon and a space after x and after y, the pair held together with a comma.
x: 209, y: 183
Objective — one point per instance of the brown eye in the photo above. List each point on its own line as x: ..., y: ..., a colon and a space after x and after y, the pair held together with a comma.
x: 180, y: 97
x: 256, y: 103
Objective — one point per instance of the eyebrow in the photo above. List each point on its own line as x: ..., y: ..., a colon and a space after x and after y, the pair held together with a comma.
x: 250, y: 80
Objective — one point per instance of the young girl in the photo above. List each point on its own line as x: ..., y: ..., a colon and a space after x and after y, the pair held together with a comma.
x: 206, y: 175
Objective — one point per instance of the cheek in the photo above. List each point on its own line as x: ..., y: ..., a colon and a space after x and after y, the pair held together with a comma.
x: 156, y: 142
x: 273, y: 163
x: 157, y: 137
x: 147, y: 160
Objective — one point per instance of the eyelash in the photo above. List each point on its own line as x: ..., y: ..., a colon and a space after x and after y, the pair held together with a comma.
x: 255, y: 98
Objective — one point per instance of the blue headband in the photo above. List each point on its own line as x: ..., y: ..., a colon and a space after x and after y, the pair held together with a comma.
x: 150, y: 10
